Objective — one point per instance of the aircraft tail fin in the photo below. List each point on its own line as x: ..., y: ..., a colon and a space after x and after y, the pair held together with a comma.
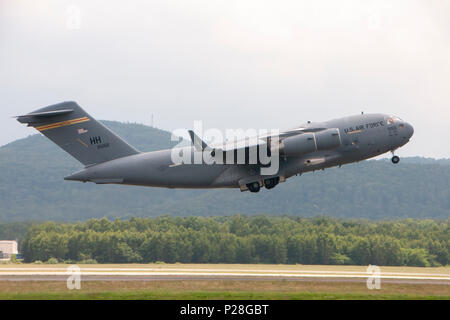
x: 75, y: 131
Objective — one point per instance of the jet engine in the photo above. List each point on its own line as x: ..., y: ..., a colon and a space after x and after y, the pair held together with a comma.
x: 310, y: 142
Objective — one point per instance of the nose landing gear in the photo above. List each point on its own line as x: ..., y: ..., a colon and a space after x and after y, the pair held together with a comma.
x: 395, y: 159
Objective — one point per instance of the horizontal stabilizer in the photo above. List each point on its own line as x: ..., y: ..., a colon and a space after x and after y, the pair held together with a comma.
x: 37, y: 117
x: 24, y: 118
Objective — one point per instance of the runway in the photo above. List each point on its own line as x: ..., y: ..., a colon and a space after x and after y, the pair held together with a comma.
x: 219, y: 272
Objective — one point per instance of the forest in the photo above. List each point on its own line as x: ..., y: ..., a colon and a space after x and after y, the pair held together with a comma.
x: 240, y: 239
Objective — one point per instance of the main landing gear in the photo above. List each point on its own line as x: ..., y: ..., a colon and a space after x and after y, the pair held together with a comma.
x: 254, y: 187
x: 271, y: 183
x: 268, y: 183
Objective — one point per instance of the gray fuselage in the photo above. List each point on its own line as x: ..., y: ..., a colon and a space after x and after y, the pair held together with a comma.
x: 360, y: 137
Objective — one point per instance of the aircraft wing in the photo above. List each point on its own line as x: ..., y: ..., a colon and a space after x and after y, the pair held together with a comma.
x: 249, y: 142
x: 294, y: 132
x: 201, y: 145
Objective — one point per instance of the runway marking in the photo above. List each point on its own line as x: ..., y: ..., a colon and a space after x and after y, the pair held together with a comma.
x: 218, y: 271
x: 226, y: 274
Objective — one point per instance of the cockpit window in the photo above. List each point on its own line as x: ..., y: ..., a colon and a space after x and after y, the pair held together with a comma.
x: 393, y: 120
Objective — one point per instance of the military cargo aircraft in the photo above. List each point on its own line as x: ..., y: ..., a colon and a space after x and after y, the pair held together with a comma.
x: 108, y: 159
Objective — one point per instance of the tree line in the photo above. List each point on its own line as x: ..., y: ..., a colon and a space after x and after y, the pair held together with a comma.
x: 241, y: 239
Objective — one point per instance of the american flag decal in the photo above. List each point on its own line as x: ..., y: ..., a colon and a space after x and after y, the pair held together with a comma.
x: 81, y: 131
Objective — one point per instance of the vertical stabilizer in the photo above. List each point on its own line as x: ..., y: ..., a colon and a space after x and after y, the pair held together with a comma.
x: 75, y: 131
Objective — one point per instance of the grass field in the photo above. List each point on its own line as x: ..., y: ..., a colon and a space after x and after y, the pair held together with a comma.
x: 204, y: 290
x: 225, y: 289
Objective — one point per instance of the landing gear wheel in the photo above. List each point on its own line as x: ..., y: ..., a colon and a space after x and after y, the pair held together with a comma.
x: 253, y: 187
x: 271, y: 183
x: 395, y: 159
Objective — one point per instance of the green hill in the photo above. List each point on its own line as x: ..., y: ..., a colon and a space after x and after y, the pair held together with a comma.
x: 32, y: 188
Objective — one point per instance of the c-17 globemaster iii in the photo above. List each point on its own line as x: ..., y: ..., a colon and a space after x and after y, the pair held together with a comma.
x: 108, y: 159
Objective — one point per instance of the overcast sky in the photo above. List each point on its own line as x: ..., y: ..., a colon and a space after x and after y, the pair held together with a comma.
x: 232, y: 64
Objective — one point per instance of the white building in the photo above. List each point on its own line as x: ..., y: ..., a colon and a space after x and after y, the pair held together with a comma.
x: 7, y: 248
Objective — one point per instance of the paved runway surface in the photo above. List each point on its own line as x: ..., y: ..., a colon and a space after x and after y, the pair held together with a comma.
x: 47, y: 273
x: 215, y: 278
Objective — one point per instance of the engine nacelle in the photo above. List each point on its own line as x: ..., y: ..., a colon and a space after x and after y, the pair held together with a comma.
x: 310, y: 142
x: 328, y: 139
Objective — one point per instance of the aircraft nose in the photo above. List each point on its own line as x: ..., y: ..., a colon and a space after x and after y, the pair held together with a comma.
x: 409, y: 129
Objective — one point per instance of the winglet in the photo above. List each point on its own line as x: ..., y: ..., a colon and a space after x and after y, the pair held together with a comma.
x: 198, y: 143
